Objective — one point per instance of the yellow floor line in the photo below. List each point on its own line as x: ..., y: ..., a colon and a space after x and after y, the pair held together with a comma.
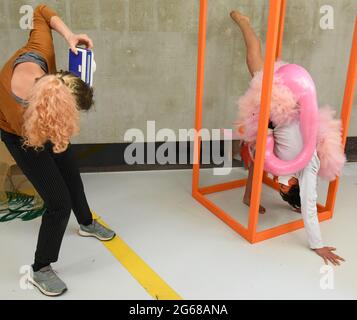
x: 137, y: 267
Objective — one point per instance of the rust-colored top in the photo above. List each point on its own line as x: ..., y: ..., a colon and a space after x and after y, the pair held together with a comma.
x: 41, y: 42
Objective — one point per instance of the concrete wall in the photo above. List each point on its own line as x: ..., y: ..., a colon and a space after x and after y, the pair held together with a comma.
x: 146, y: 57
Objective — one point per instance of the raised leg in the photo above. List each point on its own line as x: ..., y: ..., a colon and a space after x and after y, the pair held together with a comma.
x: 255, y: 60
x: 255, y: 63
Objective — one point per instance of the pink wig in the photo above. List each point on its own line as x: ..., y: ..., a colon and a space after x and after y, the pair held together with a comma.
x: 329, y: 145
x: 51, y: 115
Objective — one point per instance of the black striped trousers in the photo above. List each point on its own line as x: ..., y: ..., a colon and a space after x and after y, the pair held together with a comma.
x: 57, y: 180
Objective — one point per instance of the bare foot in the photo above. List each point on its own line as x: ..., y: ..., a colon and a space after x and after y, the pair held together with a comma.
x: 239, y: 17
x: 247, y: 202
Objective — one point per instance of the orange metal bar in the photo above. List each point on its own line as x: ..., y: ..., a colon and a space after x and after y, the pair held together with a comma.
x: 199, y: 93
x: 223, y: 186
x: 271, y: 47
x: 285, y: 228
x: 271, y: 183
x: 321, y: 208
x: 345, y: 113
x: 274, y: 48
x: 279, y: 48
x: 221, y: 214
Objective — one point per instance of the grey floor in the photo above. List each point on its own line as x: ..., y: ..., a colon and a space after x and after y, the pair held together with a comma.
x: 193, y: 251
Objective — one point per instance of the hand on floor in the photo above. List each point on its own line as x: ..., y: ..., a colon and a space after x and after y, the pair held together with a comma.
x: 327, y: 254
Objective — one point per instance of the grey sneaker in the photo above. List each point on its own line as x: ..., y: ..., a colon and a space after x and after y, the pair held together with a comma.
x: 48, y: 282
x: 96, y: 230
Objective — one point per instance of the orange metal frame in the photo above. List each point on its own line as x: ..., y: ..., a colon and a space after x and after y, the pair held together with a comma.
x: 273, y: 51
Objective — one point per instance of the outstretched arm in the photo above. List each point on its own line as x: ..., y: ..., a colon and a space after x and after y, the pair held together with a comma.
x: 44, y: 20
x: 308, y: 194
x: 73, y: 39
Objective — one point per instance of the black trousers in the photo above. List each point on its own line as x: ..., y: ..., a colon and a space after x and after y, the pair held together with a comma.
x: 57, y: 180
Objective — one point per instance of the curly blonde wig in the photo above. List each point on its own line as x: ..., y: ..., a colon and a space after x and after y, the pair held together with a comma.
x: 52, y: 114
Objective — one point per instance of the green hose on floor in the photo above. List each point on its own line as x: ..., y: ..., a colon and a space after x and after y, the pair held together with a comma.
x: 21, y: 206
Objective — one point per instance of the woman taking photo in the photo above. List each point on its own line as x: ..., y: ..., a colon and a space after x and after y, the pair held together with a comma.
x: 39, y: 113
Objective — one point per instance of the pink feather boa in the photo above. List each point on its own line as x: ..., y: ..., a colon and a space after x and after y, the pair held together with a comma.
x: 329, y: 144
x: 284, y: 110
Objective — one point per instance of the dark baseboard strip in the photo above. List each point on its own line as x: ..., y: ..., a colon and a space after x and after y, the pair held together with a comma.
x: 351, y: 149
x: 110, y: 157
